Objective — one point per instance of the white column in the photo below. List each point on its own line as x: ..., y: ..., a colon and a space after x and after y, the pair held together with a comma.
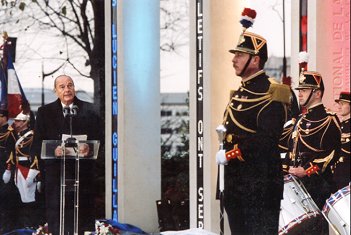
x: 295, y: 45
x: 139, y: 167
x: 221, y: 30
x: 108, y: 110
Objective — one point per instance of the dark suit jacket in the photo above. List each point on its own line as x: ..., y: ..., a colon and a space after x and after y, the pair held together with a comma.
x: 50, y: 125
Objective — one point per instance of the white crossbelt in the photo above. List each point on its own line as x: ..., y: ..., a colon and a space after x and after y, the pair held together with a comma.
x: 23, y: 158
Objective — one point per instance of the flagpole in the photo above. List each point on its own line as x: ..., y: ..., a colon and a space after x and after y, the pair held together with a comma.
x: 42, y: 83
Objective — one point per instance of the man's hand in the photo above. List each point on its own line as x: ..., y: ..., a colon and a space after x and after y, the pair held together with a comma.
x: 83, y: 150
x: 6, y: 176
x: 297, y: 171
x: 221, y: 158
x: 59, y: 151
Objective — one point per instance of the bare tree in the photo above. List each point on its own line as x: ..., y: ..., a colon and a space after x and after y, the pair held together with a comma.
x: 79, y: 27
x: 174, y: 21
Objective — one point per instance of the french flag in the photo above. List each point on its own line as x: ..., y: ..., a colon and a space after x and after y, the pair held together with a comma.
x: 3, y: 89
x: 16, y: 99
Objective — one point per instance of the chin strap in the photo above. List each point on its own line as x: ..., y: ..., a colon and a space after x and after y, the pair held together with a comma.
x: 308, y: 99
x: 246, y: 65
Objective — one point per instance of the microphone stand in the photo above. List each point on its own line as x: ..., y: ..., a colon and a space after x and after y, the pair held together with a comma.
x: 66, y: 112
x: 72, y: 143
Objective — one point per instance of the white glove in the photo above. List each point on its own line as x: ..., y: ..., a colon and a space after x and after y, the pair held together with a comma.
x: 32, y: 173
x: 6, y: 176
x: 39, y: 186
x: 221, y: 158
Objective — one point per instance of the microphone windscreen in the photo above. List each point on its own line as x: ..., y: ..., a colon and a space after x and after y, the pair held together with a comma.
x: 74, y: 110
x: 66, y: 111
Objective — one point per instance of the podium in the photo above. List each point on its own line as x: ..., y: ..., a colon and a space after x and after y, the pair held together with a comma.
x: 64, y: 150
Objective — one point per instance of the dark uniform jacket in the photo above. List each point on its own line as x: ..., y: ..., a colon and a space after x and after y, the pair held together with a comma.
x: 7, y: 145
x: 313, y: 142
x: 50, y: 125
x: 9, y: 198
x: 254, y: 119
x: 342, y: 166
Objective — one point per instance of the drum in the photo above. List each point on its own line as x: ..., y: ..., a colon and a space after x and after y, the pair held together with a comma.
x: 337, y: 210
x: 297, y: 209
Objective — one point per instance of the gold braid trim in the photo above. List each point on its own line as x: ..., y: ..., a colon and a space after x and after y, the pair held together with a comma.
x: 345, y: 151
x: 5, y: 135
x: 238, y: 124
x: 259, y: 112
x: 314, y: 130
x: 345, y: 135
x: 35, y: 163
x: 281, y: 146
x: 255, y: 93
x: 10, y: 159
x: 264, y: 97
x: 248, y: 108
x: 326, y: 160
x: 336, y: 122
x: 320, y: 143
x: 308, y: 146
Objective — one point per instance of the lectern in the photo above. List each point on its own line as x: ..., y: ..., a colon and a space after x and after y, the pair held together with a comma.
x: 73, y: 149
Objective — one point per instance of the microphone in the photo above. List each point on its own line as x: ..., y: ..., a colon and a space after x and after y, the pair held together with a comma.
x: 74, y: 110
x: 66, y: 111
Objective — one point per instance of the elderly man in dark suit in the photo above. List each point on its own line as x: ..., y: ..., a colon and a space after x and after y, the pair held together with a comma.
x: 51, y: 123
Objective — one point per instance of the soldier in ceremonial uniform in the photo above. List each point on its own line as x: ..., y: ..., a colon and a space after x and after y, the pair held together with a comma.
x: 342, y: 166
x: 30, y: 213
x: 254, y: 119
x: 313, y: 144
x: 8, y: 193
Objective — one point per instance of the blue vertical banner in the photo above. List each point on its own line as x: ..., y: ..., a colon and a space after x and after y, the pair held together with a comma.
x: 114, y: 113
x: 199, y: 116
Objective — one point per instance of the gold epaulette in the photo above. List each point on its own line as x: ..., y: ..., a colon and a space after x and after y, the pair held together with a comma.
x: 231, y: 93
x: 279, y: 92
x: 331, y: 113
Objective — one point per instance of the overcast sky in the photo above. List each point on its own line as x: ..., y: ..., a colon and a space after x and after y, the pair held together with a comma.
x: 174, y: 66
x: 268, y: 23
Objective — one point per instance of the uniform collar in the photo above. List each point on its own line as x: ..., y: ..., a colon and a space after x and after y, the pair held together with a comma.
x: 315, y: 107
x: 250, y: 78
x: 346, y: 120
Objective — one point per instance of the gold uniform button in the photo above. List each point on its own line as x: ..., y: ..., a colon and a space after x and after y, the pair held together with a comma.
x: 229, y: 138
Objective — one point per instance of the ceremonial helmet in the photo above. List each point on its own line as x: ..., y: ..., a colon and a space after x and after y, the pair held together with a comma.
x: 344, y: 96
x: 22, y: 117
x: 310, y: 80
x: 249, y: 42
